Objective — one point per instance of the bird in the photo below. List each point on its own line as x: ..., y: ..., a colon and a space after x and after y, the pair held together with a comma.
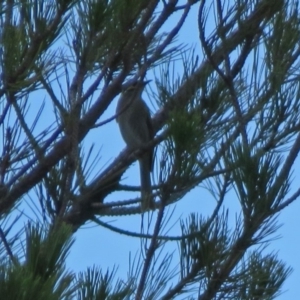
x: 134, y: 120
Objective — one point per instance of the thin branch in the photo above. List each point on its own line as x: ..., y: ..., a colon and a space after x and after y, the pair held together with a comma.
x: 286, y: 203
x: 4, y: 112
x: 52, y: 95
x: 287, y: 166
x: 150, y: 254
x: 228, y: 77
x: 7, y: 247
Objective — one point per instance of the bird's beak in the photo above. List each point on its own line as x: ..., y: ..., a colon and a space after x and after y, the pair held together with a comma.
x: 146, y: 82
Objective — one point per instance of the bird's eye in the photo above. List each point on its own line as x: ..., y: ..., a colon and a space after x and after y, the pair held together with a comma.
x: 130, y: 89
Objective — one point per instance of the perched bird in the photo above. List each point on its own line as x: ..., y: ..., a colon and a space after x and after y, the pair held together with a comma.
x: 133, y: 117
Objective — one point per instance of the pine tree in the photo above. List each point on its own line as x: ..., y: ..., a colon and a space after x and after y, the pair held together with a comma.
x: 226, y: 119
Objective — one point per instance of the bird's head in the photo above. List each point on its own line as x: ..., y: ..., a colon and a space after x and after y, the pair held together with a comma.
x: 135, y: 89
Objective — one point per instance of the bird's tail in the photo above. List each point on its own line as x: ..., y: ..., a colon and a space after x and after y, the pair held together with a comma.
x: 145, y: 177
